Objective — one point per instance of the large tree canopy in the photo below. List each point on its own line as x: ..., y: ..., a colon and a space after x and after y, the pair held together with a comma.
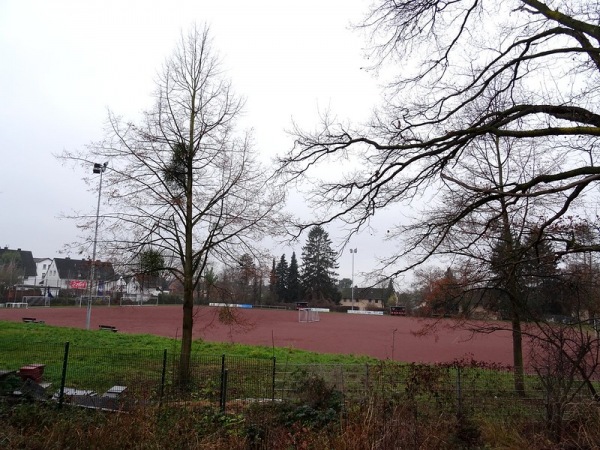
x: 492, y: 116
x: 467, y: 70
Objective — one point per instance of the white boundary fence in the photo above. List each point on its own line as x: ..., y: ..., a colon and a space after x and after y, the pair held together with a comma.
x: 371, y: 313
x: 231, y: 305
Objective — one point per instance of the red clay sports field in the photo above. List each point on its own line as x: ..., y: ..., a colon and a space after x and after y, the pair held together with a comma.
x: 377, y: 336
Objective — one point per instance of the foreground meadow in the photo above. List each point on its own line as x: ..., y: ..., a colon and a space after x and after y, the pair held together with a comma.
x: 268, y: 397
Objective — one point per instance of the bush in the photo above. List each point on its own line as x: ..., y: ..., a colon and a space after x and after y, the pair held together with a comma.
x: 374, y: 308
x: 340, y: 308
x: 169, y: 299
x: 293, y: 423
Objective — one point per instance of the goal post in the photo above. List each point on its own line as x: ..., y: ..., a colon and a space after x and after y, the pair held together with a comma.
x: 306, y: 315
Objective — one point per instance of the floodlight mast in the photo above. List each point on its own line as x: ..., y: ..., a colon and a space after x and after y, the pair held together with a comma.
x: 98, y: 168
x: 352, y: 252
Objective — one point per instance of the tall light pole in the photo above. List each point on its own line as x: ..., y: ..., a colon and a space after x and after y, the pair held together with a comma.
x: 98, y: 168
x: 352, y: 252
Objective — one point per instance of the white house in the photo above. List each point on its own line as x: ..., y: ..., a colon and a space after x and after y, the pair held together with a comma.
x: 363, y: 298
x: 42, y: 265
x: 74, y: 274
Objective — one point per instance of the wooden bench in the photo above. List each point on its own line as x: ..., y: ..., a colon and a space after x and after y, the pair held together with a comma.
x: 32, y: 320
x: 108, y: 328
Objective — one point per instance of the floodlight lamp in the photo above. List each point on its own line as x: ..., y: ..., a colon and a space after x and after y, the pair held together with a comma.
x: 99, y: 168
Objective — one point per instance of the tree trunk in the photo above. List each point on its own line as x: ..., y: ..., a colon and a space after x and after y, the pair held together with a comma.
x: 188, y: 274
x: 511, y: 284
x: 517, y: 339
x: 186, y: 338
x: 188, y: 263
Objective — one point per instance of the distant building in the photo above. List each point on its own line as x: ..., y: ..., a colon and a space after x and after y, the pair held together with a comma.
x: 364, y: 298
x: 16, y: 268
x: 23, y: 262
x: 74, y: 274
x: 42, y: 265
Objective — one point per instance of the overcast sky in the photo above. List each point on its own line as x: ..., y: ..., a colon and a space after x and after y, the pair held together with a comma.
x: 64, y: 63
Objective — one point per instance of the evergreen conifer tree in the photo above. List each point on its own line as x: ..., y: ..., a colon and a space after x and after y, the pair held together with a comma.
x: 281, y: 284
x: 273, y: 280
x: 294, y: 288
x: 318, y: 276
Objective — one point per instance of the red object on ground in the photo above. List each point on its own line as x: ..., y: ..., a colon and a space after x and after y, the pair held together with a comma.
x: 33, y: 372
x: 383, y: 337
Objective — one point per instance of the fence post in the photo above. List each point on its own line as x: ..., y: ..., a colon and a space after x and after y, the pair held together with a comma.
x: 163, y: 376
x: 273, y: 379
x: 222, y: 389
x: 63, y: 377
x: 458, y: 390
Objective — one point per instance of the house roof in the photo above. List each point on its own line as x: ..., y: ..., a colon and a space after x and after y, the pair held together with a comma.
x: 79, y: 269
x: 25, y: 260
x: 37, y: 260
x: 364, y: 293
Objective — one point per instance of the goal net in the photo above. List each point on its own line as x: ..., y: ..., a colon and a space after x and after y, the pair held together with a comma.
x: 308, y: 315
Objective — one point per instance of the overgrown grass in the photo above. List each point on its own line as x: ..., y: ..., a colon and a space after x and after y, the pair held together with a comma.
x: 319, y: 423
x: 339, y: 401
x: 100, y: 359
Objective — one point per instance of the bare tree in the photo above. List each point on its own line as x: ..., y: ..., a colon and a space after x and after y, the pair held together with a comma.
x: 11, y: 271
x: 182, y: 181
x: 501, y: 236
x: 470, y: 71
x: 566, y: 359
x: 456, y: 59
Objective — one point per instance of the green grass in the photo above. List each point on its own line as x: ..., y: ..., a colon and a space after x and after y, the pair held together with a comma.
x: 415, y: 401
x: 100, y: 359
x: 40, y: 338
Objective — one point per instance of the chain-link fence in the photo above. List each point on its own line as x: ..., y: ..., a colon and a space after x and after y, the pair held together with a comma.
x: 129, y: 377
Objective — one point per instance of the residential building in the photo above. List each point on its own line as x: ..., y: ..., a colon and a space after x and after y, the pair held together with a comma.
x: 364, y: 298
x: 20, y: 263
x: 42, y: 265
x: 74, y: 274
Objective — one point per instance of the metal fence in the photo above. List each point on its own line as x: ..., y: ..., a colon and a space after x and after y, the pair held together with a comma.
x: 130, y: 377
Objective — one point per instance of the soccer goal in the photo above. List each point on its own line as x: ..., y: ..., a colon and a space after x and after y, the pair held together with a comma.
x: 308, y: 315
